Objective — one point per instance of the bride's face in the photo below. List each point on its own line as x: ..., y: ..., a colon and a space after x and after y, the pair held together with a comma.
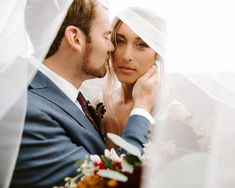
x: 132, y: 56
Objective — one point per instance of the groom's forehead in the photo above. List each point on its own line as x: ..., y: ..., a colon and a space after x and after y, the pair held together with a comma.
x: 102, y: 18
x: 105, y: 3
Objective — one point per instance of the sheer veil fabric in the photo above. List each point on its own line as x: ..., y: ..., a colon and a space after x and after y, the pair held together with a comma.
x: 192, y: 149
x: 25, y: 34
x: 192, y: 142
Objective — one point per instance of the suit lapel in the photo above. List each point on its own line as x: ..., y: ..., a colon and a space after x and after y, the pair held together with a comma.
x: 44, y: 87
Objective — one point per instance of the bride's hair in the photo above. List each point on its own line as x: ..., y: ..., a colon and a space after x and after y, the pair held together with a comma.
x: 111, y: 81
x: 145, y: 16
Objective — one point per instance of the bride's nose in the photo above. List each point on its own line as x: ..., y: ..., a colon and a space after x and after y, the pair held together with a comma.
x: 127, y: 54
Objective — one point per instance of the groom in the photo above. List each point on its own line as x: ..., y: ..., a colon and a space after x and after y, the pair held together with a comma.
x: 57, y: 132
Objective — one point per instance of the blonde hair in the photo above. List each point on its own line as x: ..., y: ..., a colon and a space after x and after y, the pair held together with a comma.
x: 110, y: 78
x: 111, y: 81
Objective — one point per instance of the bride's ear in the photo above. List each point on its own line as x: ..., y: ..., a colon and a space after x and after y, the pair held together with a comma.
x: 74, y: 37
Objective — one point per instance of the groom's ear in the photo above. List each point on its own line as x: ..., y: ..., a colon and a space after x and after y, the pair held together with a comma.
x: 74, y: 37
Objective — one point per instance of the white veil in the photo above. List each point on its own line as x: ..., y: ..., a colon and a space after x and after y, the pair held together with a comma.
x: 27, y: 29
x: 40, y: 19
x: 199, y: 69
x: 197, y: 151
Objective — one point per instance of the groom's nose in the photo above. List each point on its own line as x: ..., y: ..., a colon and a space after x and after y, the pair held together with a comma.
x: 110, y: 46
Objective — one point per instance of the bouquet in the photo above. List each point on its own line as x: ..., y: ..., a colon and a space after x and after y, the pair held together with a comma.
x: 109, y: 170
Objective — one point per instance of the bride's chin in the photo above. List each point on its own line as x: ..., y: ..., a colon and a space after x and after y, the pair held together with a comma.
x: 127, y: 82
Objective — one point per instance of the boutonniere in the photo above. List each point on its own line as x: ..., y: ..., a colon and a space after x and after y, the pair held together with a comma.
x: 97, y: 113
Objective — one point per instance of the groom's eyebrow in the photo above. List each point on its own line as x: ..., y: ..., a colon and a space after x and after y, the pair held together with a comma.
x: 108, y: 32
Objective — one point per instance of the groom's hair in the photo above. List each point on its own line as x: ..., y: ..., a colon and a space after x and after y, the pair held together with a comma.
x: 80, y: 14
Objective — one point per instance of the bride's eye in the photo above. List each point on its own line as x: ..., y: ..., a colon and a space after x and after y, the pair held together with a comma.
x: 120, y: 41
x: 142, y: 45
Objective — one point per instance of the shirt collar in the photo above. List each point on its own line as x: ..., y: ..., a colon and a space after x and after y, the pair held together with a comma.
x: 60, y: 82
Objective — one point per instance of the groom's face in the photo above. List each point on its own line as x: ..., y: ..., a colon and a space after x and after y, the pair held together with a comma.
x: 97, y: 52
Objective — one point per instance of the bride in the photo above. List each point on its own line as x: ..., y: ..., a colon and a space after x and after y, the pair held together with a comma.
x: 136, y: 50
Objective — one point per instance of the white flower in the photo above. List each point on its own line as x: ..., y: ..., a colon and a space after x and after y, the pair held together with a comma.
x: 112, y: 155
x: 87, y: 168
x: 95, y: 158
x: 122, y: 156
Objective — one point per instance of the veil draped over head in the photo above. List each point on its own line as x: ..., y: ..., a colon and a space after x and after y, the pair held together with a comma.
x: 195, y: 147
x: 25, y: 35
x: 199, y: 72
x: 27, y: 29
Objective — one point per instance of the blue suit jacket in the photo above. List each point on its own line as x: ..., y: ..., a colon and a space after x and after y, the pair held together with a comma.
x: 57, y: 134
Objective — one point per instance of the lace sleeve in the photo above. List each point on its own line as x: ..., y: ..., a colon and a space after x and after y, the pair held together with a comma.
x: 176, y: 132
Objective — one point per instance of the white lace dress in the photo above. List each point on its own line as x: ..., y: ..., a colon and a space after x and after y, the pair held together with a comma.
x: 177, y: 146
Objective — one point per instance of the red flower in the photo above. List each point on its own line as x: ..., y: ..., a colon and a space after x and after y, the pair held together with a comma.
x: 100, y: 165
x: 119, y: 165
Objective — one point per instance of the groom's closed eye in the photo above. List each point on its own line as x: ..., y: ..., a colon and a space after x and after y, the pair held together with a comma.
x: 107, y: 35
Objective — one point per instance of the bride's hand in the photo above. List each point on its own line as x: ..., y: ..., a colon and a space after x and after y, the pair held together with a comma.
x: 144, y: 89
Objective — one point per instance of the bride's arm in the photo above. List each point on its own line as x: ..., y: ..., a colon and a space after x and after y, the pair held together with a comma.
x: 177, y: 124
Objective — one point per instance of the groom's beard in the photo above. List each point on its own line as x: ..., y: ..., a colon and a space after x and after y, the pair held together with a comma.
x: 87, y: 66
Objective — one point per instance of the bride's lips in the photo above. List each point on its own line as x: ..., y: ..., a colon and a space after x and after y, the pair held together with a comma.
x: 126, y: 69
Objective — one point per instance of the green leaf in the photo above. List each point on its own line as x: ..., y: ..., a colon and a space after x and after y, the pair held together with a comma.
x: 111, y: 174
x: 132, y: 159
x: 107, y: 161
x: 127, y: 167
x: 119, y: 141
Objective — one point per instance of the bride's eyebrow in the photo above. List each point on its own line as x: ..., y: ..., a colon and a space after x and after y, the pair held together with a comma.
x: 138, y: 38
x: 120, y: 35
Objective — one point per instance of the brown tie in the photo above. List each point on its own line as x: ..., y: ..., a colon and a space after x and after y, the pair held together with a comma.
x: 84, y: 105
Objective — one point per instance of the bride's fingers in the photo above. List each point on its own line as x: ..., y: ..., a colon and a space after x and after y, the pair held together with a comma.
x: 144, y: 89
